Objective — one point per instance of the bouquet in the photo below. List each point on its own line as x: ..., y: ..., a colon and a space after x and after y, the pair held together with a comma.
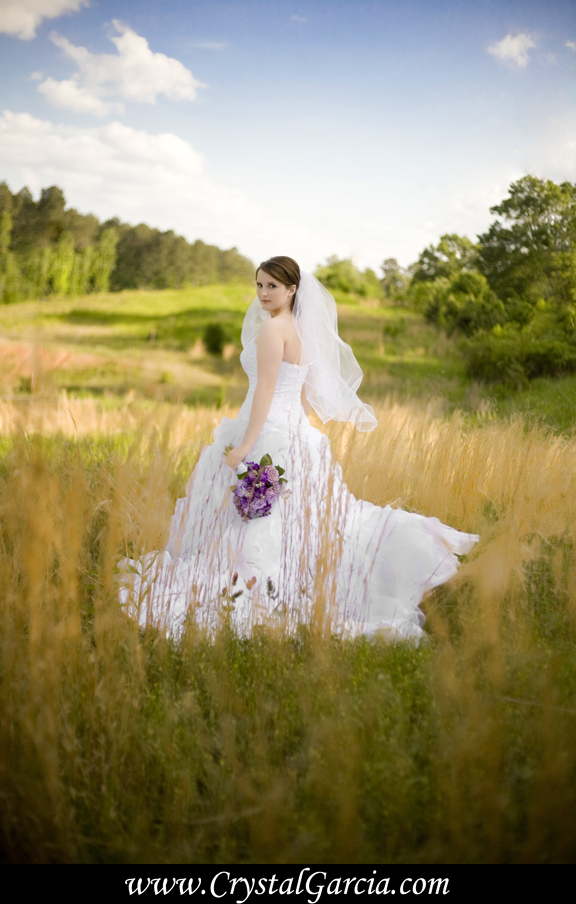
x: 258, y: 487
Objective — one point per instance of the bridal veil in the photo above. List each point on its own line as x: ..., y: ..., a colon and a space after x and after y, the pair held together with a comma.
x: 332, y: 372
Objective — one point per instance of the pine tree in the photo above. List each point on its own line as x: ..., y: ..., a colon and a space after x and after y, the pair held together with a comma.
x: 9, y: 272
x: 104, y: 260
x: 62, y: 264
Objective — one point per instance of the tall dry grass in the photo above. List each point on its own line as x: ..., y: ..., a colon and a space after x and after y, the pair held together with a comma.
x: 118, y: 744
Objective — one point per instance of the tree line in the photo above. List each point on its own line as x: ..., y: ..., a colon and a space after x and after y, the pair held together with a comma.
x: 509, y: 298
x: 47, y: 248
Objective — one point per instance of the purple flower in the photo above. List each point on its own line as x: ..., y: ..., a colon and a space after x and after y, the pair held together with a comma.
x: 255, y: 493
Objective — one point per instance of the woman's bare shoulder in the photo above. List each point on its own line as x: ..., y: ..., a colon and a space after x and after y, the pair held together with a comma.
x: 275, y: 326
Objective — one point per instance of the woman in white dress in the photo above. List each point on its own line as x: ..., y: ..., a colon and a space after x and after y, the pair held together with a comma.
x: 320, y: 556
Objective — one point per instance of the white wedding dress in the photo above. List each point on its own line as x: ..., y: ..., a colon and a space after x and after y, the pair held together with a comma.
x: 321, y: 556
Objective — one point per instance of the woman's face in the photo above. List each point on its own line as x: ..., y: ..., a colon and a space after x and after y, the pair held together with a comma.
x: 274, y: 296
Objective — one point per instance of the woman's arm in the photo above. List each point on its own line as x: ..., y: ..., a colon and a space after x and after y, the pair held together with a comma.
x: 270, y: 351
x: 305, y: 403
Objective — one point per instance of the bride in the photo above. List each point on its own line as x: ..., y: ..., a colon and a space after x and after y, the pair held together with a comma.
x: 320, y: 555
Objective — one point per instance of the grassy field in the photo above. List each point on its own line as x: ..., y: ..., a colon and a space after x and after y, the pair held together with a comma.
x: 118, y: 745
x: 149, y: 344
x: 122, y: 745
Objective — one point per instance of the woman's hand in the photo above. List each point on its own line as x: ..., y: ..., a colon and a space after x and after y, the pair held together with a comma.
x: 235, y: 456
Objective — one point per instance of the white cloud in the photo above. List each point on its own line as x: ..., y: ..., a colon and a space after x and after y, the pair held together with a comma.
x: 571, y: 45
x: 513, y: 49
x: 124, y: 153
x: 22, y: 17
x: 298, y: 19
x: 70, y: 95
x: 134, y: 73
x: 115, y: 170
x: 118, y: 170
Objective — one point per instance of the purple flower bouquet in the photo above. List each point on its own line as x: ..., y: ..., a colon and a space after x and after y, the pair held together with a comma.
x: 258, y: 487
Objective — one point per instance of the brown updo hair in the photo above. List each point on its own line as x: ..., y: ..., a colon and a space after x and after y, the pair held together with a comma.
x: 283, y: 269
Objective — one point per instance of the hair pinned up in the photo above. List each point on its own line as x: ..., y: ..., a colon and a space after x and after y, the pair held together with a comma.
x: 285, y: 270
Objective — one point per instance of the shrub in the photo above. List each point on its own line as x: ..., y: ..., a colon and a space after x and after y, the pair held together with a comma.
x: 464, y: 304
x: 394, y: 328
x: 344, y: 276
x: 215, y: 338
x: 424, y: 297
x: 514, y: 355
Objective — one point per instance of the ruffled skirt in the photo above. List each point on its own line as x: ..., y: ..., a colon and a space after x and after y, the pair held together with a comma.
x: 321, y: 556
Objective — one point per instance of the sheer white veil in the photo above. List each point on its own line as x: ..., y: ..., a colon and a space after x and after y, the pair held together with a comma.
x: 332, y: 372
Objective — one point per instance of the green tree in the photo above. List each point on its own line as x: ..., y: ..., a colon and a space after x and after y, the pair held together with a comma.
x: 62, y: 264
x: 465, y: 304
x: 81, y: 271
x: 84, y: 228
x: 565, y: 276
x: 104, y: 260
x: 234, y: 266
x: 342, y: 275
x: 50, y: 215
x: 6, y: 202
x: 5, y: 235
x: 132, y: 269
x: 10, y: 282
x: 372, y: 286
x: 38, y: 268
x: 396, y: 279
x: 527, y: 253
x: 148, y: 257
x: 204, y: 267
x: 24, y: 231
x: 453, y: 254
x: 54, y: 250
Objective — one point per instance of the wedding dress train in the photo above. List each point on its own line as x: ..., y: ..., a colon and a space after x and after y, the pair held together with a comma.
x: 320, y: 554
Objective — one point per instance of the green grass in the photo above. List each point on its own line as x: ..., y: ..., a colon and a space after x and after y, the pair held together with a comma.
x: 138, y: 341
x: 143, y: 341
x: 118, y: 745
x: 548, y: 400
x: 122, y: 746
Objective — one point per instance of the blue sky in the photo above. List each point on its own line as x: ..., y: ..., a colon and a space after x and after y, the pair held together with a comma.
x: 363, y: 128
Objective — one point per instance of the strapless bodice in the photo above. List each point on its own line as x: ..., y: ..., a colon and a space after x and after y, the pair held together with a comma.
x: 372, y: 564
x: 286, y: 408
